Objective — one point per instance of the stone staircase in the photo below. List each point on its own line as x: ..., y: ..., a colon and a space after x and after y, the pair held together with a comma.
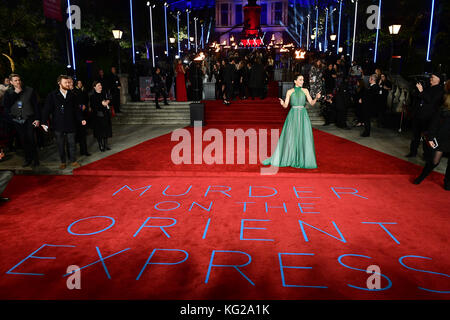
x: 318, y: 120
x: 176, y: 113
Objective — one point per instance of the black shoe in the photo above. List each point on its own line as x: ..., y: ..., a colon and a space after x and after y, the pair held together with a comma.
x: 365, y: 135
x: 347, y: 128
x: 107, y: 148
x: 3, y: 199
x: 411, y: 155
x: 166, y: 104
x: 447, y: 187
x: 158, y: 107
x: 418, y: 180
x: 27, y: 163
x: 87, y: 154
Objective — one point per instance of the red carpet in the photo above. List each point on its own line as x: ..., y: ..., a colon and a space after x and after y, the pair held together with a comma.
x: 224, y: 232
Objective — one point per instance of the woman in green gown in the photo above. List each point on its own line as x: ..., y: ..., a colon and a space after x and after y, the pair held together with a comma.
x: 296, y: 144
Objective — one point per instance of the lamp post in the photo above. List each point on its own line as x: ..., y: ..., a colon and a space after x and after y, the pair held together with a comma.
x: 430, y: 31
x: 307, y: 34
x: 378, y: 31
x: 325, y: 38
x: 71, y: 38
x: 178, y: 31
x: 187, y: 17
x: 195, y: 25
x: 339, y: 27
x: 165, y: 23
x: 117, y: 34
x: 150, y: 13
x: 132, y: 31
x: 317, y: 27
x: 393, y: 30
x: 354, y: 30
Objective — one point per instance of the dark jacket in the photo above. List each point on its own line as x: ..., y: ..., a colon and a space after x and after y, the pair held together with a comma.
x: 66, y: 115
x: 257, y: 76
x: 229, y: 73
x: 430, y: 102
x: 440, y: 130
x: 100, y: 115
x: 30, y: 108
x: 158, y: 82
x: 370, y: 99
x: 113, y: 82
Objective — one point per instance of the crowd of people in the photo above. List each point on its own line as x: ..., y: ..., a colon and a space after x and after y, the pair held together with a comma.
x: 68, y: 111
x: 71, y: 110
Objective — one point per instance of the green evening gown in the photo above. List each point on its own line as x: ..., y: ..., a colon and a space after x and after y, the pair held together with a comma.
x: 296, y: 144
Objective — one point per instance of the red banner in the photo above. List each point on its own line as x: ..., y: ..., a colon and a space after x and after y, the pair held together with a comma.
x: 52, y: 9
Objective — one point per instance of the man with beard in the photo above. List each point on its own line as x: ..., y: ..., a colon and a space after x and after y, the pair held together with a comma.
x: 61, y: 104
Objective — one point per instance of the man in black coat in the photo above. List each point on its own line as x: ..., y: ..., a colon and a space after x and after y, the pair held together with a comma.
x: 82, y: 101
x: 114, y: 89
x: 229, y: 71
x: 61, y: 104
x: 342, y: 102
x: 256, y: 81
x: 196, y: 79
x: 22, y: 110
x: 159, y: 87
x: 430, y: 100
x: 369, y: 104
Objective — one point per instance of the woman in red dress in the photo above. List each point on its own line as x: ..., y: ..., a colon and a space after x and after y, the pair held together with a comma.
x: 180, y: 81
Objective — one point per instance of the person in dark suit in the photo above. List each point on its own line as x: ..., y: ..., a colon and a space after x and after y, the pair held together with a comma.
x: 159, y: 87
x: 99, y: 104
x: 430, y: 99
x: 82, y: 103
x: 369, y: 104
x: 342, y: 103
x: 438, y: 137
x: 256, y: 80
x: 196, y: 79
x: 227, y: 78
x: 61, y: 104
x: 114, y: 89
x: 22, y: 110
x: 385, y: 87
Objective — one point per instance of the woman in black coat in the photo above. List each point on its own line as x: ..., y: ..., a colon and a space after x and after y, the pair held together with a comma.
x: 359, y: 94
x: 101, y: 116
x: 438, y: 137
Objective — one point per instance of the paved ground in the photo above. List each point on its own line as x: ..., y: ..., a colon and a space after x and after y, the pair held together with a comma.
x: 125, y: 136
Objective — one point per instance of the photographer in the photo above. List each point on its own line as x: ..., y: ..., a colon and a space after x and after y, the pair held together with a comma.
x: 430, y: 99
x: 438, y: 138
